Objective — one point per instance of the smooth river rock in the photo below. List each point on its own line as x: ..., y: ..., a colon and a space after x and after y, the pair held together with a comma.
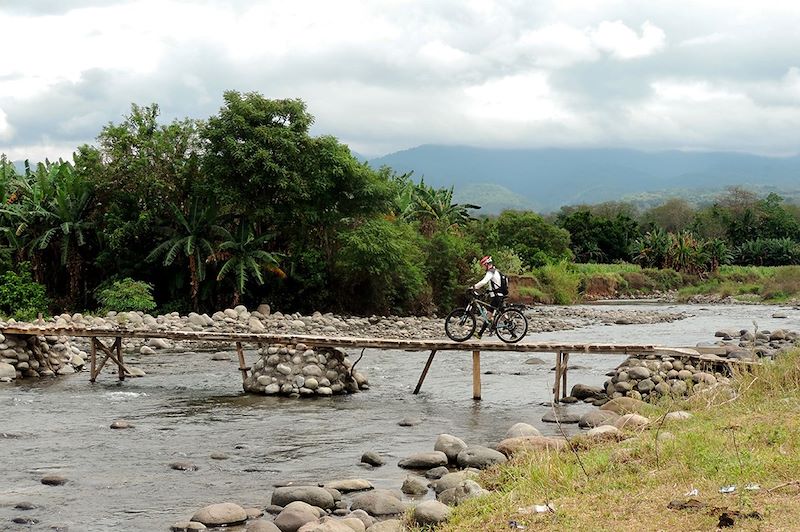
x: 222, y: 514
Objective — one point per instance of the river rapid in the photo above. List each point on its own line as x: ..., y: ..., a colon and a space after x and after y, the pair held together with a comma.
x: 189, y: 407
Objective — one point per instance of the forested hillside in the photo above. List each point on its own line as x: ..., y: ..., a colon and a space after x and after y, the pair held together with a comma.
x: 548, y: 179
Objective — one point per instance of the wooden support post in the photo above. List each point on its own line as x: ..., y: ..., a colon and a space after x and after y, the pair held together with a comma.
x: 114, y: 353
x: 564, y: 368
x: 424, y: 372
x: 476, y: 375
x: 242, y: 367
x: 120, y: 365
x: 557, y: 384
x: 94, y: 361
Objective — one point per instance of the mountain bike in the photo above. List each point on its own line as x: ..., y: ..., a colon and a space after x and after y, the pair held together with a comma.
x: 509, y: 322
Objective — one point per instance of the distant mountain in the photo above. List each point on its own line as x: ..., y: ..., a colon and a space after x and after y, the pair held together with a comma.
x: 548, y: 178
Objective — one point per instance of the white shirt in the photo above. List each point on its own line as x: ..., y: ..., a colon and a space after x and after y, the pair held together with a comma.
x: 493, y: 275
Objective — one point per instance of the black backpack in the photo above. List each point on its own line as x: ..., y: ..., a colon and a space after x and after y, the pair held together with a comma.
x: 503, y: 288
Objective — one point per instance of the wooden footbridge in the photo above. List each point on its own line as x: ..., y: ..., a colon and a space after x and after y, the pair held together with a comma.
x: 562, y: 351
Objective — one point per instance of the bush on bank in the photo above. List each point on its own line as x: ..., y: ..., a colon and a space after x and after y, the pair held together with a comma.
x: 21, y: 297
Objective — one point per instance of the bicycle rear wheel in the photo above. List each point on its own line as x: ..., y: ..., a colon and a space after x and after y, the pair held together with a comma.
x: 512, y: 325
x: 459, y: 325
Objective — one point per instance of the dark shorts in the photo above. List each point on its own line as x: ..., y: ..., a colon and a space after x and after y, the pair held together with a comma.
x: 496, y: 301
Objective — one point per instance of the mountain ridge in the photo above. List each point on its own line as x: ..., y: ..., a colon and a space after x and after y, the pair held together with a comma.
x: 548, y: 178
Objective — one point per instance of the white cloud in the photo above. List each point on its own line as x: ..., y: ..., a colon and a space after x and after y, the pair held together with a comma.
x: 557, y: 46
x: 6, y: 132
x: 623, y: 43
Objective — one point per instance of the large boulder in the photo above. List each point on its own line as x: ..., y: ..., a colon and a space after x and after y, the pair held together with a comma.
x: 479, y: 457
x: 431, y: 513
x: 424, y: 460
x: 262, y: 525
x: 295, y: 515
x: 313, y: 495
x: 451, y: 480
x: 584, y: 391
x: 605, y: 433
x: 468, y: 489
x: 390, y: 525
x: 519, y: 430
x: 450, y: 446
x: 350, y: 484
x: 631, y: 422
x: 7, y: 371
x: 328, y: 524
x: 625, y: 405
x: 595, y: 418
x: 511, y: 446
x: 378, y: 503
x: 222, y: 514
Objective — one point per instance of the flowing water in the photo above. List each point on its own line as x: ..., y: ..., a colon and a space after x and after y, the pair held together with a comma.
x: 188, y: 407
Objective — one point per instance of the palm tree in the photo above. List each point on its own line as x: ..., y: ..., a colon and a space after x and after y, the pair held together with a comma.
x: 66, y: 223
x: 244, y: 256
x: 434, y: 209
x: 50, y: 209
x: 191, y: 237
x: 651, y: 250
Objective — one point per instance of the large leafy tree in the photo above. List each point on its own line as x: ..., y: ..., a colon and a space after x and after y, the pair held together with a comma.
x: 138, y: 168
x: 261, y: 160
x: 536, y: 241
x: 596, y: 238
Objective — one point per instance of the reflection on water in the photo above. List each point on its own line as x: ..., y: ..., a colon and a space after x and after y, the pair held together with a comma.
x: 189, y: 407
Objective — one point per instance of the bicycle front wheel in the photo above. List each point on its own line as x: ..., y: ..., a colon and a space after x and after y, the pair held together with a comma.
x: 459, y: 325
x: 512, y: 325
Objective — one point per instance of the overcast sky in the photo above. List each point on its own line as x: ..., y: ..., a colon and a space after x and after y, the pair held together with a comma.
x: 392, y: 74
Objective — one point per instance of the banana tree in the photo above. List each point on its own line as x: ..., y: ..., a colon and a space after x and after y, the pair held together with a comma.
x: 190, y: 235
x: 244, y: 257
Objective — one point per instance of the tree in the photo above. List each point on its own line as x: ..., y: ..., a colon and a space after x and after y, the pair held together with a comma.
x: 381, y: 268
x: 596, y: 238
x: 138, y: 168
x: 52, y: 214
x: 190, y: 236
x: 532, y: 238
x: 243, y: 255
x: 434, y: 209
x: 676, y: 214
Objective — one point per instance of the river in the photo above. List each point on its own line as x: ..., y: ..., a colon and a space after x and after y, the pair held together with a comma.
x: 188, y: 407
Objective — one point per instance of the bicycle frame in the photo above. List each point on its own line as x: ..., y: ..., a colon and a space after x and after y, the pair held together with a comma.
x: 483, y: 308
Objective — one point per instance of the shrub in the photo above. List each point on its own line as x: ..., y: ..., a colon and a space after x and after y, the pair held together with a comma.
x: 665, y: 279
x: 768, y: 252
x: 784, y: 284
x: 127, y: 295
x: 21, y: 297
x: 561, y: 283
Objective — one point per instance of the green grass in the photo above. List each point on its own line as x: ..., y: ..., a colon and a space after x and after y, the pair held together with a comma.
x: 752, y: 438
x: 566, y: 283
x: 592, y: 268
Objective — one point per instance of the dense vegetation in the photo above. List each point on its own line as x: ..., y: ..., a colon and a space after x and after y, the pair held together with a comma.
x: 249, y: 207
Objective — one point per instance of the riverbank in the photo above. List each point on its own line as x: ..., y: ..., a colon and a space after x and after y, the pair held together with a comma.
x: 735, y: 462
x: 568, y: 283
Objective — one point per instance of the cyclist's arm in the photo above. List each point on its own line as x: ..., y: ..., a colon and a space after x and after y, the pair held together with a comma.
x: 480, y: 284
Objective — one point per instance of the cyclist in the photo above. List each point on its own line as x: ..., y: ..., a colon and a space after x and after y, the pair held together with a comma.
x: 492, y: 278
